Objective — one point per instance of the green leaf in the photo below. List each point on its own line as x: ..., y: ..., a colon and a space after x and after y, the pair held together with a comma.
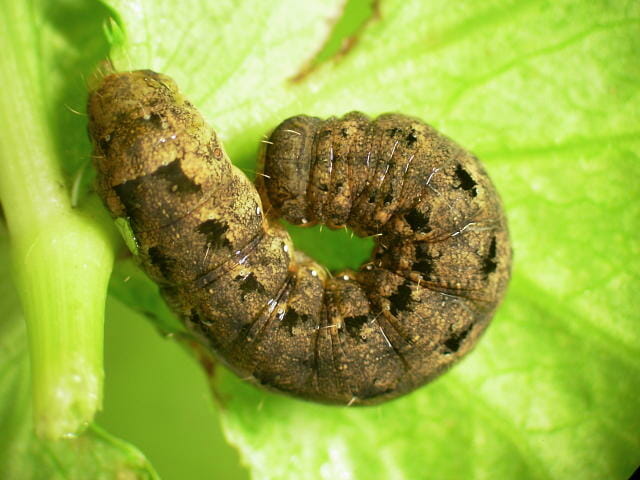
x: 94, y: 454
x: 547, y: 95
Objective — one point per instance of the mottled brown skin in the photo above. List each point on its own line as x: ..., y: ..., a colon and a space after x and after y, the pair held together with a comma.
x: 274, y: 316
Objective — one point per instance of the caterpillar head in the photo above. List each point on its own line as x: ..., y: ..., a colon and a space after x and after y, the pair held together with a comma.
x: 123, y: 97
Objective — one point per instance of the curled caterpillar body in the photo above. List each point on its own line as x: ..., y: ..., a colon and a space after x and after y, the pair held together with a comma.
x: 439, y: 269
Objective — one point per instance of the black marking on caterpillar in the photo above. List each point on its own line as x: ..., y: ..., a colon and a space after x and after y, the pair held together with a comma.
x: 439, y: 269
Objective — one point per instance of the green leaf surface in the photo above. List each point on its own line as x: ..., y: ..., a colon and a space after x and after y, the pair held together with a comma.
x: 95, y: 454
x: 547, y: 94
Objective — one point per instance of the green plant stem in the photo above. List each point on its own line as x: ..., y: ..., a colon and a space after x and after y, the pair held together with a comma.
x: 62, y: 257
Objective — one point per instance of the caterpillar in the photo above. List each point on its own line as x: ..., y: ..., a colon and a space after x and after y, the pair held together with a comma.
x: 212, y: 240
